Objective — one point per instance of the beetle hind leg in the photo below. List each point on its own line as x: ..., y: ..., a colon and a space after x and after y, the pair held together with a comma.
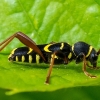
x: 25, y: 40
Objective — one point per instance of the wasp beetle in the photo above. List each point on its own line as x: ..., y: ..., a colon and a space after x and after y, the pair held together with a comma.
x: 53, y: 53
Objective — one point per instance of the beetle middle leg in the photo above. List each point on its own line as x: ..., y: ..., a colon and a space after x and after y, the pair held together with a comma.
x: 51, y: 66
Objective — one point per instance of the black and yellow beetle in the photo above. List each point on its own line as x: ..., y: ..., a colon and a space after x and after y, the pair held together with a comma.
x: 53, y: 53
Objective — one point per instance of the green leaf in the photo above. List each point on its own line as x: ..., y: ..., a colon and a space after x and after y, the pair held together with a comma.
x: 45, y: 21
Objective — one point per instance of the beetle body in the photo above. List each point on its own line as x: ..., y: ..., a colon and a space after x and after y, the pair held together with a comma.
x: 53, y: 53
x: 26, y: 54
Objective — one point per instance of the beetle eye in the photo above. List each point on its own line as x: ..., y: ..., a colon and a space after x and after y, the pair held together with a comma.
x: 94, y: 56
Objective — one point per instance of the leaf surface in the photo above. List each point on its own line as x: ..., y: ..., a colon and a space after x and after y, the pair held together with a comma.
x: 46, y: 21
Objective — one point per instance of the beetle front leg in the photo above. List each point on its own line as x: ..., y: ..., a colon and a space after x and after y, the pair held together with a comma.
x: 84, y: 68
x: 91, y: 67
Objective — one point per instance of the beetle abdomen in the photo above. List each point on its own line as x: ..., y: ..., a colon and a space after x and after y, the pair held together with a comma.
x: 25, y: 54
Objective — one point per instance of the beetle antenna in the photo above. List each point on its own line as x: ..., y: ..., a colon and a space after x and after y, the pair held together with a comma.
x: 98, y: 52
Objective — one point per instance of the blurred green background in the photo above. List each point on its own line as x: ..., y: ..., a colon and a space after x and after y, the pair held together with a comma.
x: 45, y: 21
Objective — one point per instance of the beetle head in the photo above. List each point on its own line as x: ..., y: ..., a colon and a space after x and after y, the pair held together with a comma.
x: 93, y: 58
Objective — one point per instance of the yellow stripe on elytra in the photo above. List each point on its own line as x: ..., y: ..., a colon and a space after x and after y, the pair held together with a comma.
x: 90, y: 49
x: 62, y: 45
x: 70, y: 55
x: 30, y: 59
x: 16, y: 58
x: 12, y: 53
x: 23, y: 58
x: 73, y: 50
x: 46, y: 48
x: 30, y: 50
x: 37, y: 58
